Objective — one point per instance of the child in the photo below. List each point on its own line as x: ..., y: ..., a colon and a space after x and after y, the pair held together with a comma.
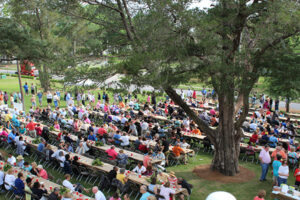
x: 261, y: 195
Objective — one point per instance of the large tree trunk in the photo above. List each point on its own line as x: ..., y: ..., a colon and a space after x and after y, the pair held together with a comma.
x: 287, y: 105
x: 227, y: 140
x: 44, y: 78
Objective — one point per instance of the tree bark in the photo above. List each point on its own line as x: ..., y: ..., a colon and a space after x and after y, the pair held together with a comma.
x: 44, y: 78
x: 227, y: 141
x: 287, y: 105
x: 20, y: 85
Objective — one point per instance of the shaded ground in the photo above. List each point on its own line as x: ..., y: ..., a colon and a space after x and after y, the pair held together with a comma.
x: 204, y: 171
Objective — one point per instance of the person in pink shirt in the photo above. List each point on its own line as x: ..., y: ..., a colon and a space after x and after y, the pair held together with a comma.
x: 112, y: 153
x: 261, y: 195
x: 56, y: 125
x: 42, y: 172
x: 4, y: 133
x: 87, y: 120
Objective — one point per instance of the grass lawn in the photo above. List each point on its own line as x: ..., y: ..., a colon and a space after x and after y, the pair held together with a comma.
x: 242, y: 191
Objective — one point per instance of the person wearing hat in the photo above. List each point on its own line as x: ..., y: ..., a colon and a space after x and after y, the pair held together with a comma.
x: 42, y: 172
x: 20, y: 161
x: 173, y: 179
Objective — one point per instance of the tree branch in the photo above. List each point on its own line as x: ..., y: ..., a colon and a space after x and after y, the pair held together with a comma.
x: 102, y: 4
x: 202, y: 125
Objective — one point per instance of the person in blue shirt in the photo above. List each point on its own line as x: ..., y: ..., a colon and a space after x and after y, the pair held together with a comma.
x: 11, y: 137
x: 26, y: 88
x: 117, y: 137
x: 273, y: 141
x: 41, y: 145
x: 40, y: 96
x: 276, y: 164
x: 19, y: 184
x: 22, y: 129
x: 145, y: 194
x: 92, y: 136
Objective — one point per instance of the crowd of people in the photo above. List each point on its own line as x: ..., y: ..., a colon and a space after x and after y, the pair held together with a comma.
x: 126, y: 117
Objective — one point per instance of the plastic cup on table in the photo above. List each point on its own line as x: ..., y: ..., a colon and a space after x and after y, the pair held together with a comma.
x: 50, y: 187
x: 37, y: 180
x: 140, y: 176
x: 80, y: 195
x: 76, y: 193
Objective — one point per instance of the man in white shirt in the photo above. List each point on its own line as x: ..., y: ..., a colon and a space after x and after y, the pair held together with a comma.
x: 59, y: 155
x: 139, y: 168
x: 144, y: 127
x: 125, y: 140
x: 11, y: 159
x: 98, y: 194
x: 184, y: 144
x: 73, y: 187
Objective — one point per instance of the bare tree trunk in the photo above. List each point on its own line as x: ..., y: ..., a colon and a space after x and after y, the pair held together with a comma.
x: 227, y: 140
x: 287, y: 105
x: 20, y: 84
x: 44, y: 78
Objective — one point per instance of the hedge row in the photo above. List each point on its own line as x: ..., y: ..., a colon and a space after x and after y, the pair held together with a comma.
x: 31, y: 77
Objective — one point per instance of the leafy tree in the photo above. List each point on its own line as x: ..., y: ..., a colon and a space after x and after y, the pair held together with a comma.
x: 283, y: 80
x: 166, y: 43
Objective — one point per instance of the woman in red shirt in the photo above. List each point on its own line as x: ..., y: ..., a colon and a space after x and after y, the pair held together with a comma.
x: 297, y: 176
x: 254, y: 138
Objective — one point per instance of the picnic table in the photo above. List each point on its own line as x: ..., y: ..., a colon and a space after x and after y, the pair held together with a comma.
x: 88, y: 162
x: 283, y: 196
x: 48, y: 185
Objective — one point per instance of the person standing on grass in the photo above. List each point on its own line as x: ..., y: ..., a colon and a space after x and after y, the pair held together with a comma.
x: 26, y: 88
x: 12, y: 100
x: 5, y: 98
x: 55, y: 100
x: 276, y: 164
x: 283, y: 173
x: 49, y: 98
x: 40, y: 96
x: 33, y: 101
x: 32, y: 89
x: 265, y: 160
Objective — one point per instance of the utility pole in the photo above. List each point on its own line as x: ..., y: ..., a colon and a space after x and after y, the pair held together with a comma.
x: 20, y: 84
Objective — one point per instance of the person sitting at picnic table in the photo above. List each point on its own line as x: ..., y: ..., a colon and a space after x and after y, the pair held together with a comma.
x: 144, y: 192
x: 115, y: 197
x: 278, y: 150
x: 27, y: 167
x: 293, y: 157
x: 80, y: 149
x: 11, y: 159
x: 19, y: 184
x: 73, y: 187
x: 116, y: 138
x: 20, y: 161
x: 184, y: 184
x: 31, y: 128
x: 179, y: 153
x: 112, y: 153
x: 121, y: 176
x: 92, y: 136
x: 152, y: 185
x: 166, y: 191
x: 273, y: 141
x: 124, y: 140
x: 173, y: 180
x: 42, y: 172
x: 149, y: 171
x: 254, y: 137
x: 38, y: 190
x: 139, y: 169
x: 122, y: 159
